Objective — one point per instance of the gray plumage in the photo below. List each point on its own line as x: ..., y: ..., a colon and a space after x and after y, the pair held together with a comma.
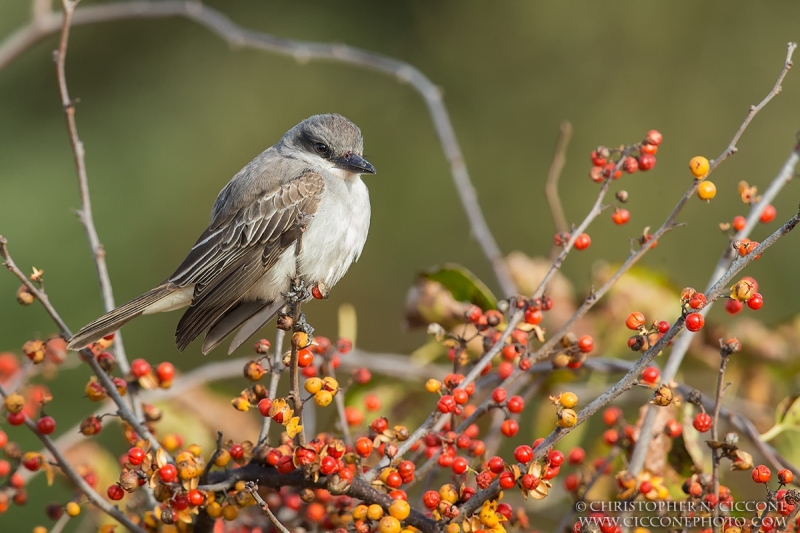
x: 237, y: 271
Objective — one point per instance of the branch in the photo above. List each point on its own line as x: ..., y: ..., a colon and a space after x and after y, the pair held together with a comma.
x: 238, y: 36
x: 76, y: 478
x: 551, y: 189
x: 252, y: 488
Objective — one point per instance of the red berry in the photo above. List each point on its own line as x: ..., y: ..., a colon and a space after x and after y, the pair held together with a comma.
x: 576, y: 456
x: 761, y: 474
x: 663, y: 326
x: 136, y: 456
x: 651, y: 375
x: 785, y: 476
x: 768, y: 215
x: 196, y: 498
x: 46, y: 425
x: 673, y: 429
x: 165, y: 372
x: 263, y: 406
x: 586, y: 343
x: 446, y: 404
x: 695, y: 321
x: 651, y: 149
x: 630, y: 165
x: 364, y: 446
x: 620, y: 216
x: 115, y: 492
x: 653, y: 137
x: 635, y: 320
x: 645, y: 487
x: 504, y: 369
x: 496, y: 464
x: 393, y: 480
x: 552, y: 471
x: 733, y: 306
x: 516, y: 404
x: 611, y: 437
x: 16, y: 419
x: 739, y: 222
x: 533, y: 315
x: 598, y: 160
x: 583, y: 241
x: 460, y: 466
x: 237, y: 451
x: 612, y: 415
x: 168, y: 473
x: 507, y: 480
x: 555, y: 458
x: 509, y: 428
x: 305, y: 357
x: 499, y: 395
x: 431, y: 499
x: 702, y: 422
x: 523, y: 453
x: 755, y: 302
x: 139, y: 368
x: 646, y: 162
x: 571, y: 482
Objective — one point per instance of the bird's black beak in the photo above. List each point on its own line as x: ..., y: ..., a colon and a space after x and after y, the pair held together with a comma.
x: 355, y: 164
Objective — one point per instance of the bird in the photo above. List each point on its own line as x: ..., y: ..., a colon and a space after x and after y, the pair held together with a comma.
x: 306, y: 188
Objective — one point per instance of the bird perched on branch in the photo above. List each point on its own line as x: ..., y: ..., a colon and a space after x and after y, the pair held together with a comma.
x: 240, y: 271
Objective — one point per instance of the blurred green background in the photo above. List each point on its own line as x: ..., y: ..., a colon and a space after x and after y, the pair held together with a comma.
x: 168, y: 113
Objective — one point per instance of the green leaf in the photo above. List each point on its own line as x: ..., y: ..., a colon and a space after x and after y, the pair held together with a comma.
x: 463, y: 285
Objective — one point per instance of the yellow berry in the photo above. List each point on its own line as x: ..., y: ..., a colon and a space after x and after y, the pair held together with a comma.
x: 73, y: 509
x: 360, y: 512
x: 567, y: 418
x: 374, y: 512
x: 389, y: 524
x: 214, y: 510
x: 330, y: 384
x: 222, y: 459
x: 312, y: 385
x: 300, y: 339
x: 453, y: 528
x: 400, y: 509
x: 230, y: 512
x: 433, y: 385
x: 743, y: 290
x: 39, y: 529
x: 195, y: 450
x: 699, y: 166
x: 706, y: 190
x: 448, y: 493
x: 569, y: 400
x: 323, y: 398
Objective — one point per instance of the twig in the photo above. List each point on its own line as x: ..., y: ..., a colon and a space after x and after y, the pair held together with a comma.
x: 681, y: 346
x: 631, y: 376
x: 85, y: 213
x: 553, y: 176
x: 124, y: 412
x: 716, y: 452
x: 276, y: 368
x: 238, y: 36
x: 252, y: 488
x: 298, y: 285
x: 76, y: 478
x: 58, y: 527
x: 562, y: 526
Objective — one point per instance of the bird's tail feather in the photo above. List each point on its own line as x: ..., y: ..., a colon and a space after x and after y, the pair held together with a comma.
x: 115, y: 319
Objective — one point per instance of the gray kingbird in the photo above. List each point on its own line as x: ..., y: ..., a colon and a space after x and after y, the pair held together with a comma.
x: 240, y: 269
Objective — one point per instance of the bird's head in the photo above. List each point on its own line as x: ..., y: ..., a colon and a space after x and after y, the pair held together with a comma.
x: 330, y: 141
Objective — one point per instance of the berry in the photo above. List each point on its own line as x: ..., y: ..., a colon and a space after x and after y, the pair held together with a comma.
x: 630, y: 165
x: 706, y: 190
x: 533, y: 315
x: 785, y: 476
x: 364, y: 447
x: 583, y: 241
x: 165, y: 372
x: 702, y: 422
x: 139, y: 368
x: 612, y: 415
x: 460, y: 465
x: 586, y: 343
x: 571, y: 482
x: 695, y: 322
x: 499, y: 395
x: 755, y: 302
x: 611, y: 437
x: 739, y: 222
x: 698, y: 165
x: 733, y: 306
x: 305, y: 357
x: 195, y: 498
x: 516, y: 404
x: 651, y: 149
x: 431, y: 499
x: 263, y: 406
x: 768, y: 215
x: 663, y: 326
x: 598, y: 159
x: 576, y: 456
x: 568, y: 400
x: 237, y: 452
x: 446, y: 404
x: 567, y: 418
x: 645, y: 487
x: 651, y: 375
x: 761, y: 474
x: 555, y: 458
x: 653, y: 137
x: 115, y: 492
x: 168, y: 473
x: 634, y: 321
x: 673, y: 429
x: 46, y: 425
x: 496, y: 464
x: 400, y: 509
x: 509, y: 427
x: 523, y: 453
x: 646, y: 162
x: 15, y: 419
x: 621, y: 216
x: 507, y: 480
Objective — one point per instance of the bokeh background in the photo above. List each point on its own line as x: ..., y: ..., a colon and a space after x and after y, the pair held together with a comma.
x: 168, y: 113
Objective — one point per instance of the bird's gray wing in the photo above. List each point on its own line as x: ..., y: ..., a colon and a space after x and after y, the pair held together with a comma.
x: 237, y: 250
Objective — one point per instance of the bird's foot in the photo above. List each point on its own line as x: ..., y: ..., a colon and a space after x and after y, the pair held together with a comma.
x: 303, y: 325
x: 298, y: 292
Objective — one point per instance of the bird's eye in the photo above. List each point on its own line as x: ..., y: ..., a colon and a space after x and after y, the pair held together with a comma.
x: 321, y: 148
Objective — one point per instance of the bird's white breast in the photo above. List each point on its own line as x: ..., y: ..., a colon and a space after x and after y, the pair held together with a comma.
x: 333, y: 240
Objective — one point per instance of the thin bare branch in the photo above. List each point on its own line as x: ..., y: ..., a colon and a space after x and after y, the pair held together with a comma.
x: 252, y: 488
x: 553, y: 176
